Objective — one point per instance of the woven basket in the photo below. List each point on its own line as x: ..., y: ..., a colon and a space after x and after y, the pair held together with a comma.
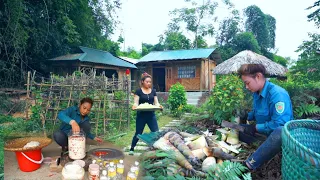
x: 18, y: 144
x: 301, y: 150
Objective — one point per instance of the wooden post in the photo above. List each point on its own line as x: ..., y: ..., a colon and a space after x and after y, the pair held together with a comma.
x: 201, y: 74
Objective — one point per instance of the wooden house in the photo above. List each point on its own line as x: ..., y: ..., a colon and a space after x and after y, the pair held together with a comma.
x: 191, y: 68
x: 89, y: 60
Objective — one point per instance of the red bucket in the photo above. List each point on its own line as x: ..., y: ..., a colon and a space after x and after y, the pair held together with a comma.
x: 29, y: 160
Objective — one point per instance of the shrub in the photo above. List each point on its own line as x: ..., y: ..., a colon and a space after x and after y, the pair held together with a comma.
x: 177, y: 99
x: 226, y: 98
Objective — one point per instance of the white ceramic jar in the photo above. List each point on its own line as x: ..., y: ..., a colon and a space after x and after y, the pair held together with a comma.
x: 72, y: 171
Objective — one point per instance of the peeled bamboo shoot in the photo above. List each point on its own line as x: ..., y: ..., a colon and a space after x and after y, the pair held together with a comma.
x: 208, y: 163
x: 233, y: 137
x: 165, y: 145
x: 198, y: 144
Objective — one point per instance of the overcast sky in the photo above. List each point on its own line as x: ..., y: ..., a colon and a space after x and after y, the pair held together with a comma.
x: 144, y: 20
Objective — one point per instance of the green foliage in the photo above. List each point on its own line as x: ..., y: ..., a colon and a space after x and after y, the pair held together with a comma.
x: 177, y: 98
x: 195, y: 16
x: 146, y: 48
x: 245, y: 41
x: 201, y: 42
x: 119, y: 95
x: 314, y: 16
x: 131, y: 53
x: 305, y: 110
x: 229, y: 170
x: 226, y: 98
x: 33, y: 31
x: 262, y: 26
x: 304, y: 93
x: 281, y: 60
x: 228, y: 28
x: 175, y: 41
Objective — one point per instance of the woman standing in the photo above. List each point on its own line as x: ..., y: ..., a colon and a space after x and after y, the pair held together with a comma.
x: 145, y: 94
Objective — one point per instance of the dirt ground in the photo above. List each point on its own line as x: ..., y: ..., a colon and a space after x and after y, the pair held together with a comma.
x: 12, y: 171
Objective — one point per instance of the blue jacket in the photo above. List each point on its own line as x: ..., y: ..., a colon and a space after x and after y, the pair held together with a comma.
x: 72, y: 113
x: 271, y: 108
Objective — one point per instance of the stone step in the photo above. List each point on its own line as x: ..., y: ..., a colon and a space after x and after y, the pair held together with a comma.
x: 176, y: 120
x: 137, y: 148
x: 171, y: 125
x: 192, y: 101
x: 134, y: 154
x: 142, y: 144
x: 194, y: 93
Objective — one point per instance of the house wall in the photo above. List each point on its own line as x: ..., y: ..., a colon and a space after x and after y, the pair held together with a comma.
x: 190, y: 84
x: 208, y: 79
x: 204, y: 79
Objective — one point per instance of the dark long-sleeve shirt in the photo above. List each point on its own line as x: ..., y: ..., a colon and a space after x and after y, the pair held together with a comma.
x: 72, y: 113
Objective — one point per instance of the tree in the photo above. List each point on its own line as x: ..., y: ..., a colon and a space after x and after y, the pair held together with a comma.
x: 314, y: 16
x: 131, y: 53
x: 280, y: 60
x: 195, y: 17
x: 228, y: 28
x: 245, y: 41
x: 32, y: 31
x: 176, y: 40
x: 262, y: 26
x: 201, y: 43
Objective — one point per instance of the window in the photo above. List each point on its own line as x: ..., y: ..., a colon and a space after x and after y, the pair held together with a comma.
x: 187, y: 72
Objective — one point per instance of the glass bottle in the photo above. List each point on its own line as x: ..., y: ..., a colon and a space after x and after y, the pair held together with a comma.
x: 112, y: 173
x: 104, y: 175
x: 120, y: 167
x: 131, y: 174
x: 136, y: 167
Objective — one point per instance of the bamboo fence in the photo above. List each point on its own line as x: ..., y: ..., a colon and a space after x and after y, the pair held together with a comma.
x: 111, y: 98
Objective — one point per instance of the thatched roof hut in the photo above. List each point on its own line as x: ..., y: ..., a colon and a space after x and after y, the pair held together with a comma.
x: 248, y: 57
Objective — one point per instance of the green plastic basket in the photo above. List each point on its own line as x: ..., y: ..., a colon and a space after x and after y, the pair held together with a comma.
x: 301, y: 150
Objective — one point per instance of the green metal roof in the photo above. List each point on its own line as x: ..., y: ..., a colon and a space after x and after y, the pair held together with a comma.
x: 177, y: 55
x: 95, y: 56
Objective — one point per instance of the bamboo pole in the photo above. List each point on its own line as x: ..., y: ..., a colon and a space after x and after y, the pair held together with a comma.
x: 71, y: 91
x: 97, y: 121
x: 28, y: 96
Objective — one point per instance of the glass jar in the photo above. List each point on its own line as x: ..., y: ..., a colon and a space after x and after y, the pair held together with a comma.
x: 77, y: 145
x: 94, y: 172
x: 72, y: 171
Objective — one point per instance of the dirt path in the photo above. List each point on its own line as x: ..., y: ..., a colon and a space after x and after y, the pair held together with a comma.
x: 12, y: 171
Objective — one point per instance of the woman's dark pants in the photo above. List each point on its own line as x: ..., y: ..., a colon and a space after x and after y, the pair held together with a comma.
x: 142, y: 119
x: 62, y: 138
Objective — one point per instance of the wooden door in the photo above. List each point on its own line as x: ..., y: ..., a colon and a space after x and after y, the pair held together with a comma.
x: 169, y: 78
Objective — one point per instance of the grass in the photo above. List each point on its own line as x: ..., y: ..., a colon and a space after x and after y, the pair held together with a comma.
x: 126, y: 139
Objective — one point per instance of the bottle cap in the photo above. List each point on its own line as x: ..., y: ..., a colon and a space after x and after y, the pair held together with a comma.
x: 132, y: 169
x: 104, y: 172
x: 136, y: 163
